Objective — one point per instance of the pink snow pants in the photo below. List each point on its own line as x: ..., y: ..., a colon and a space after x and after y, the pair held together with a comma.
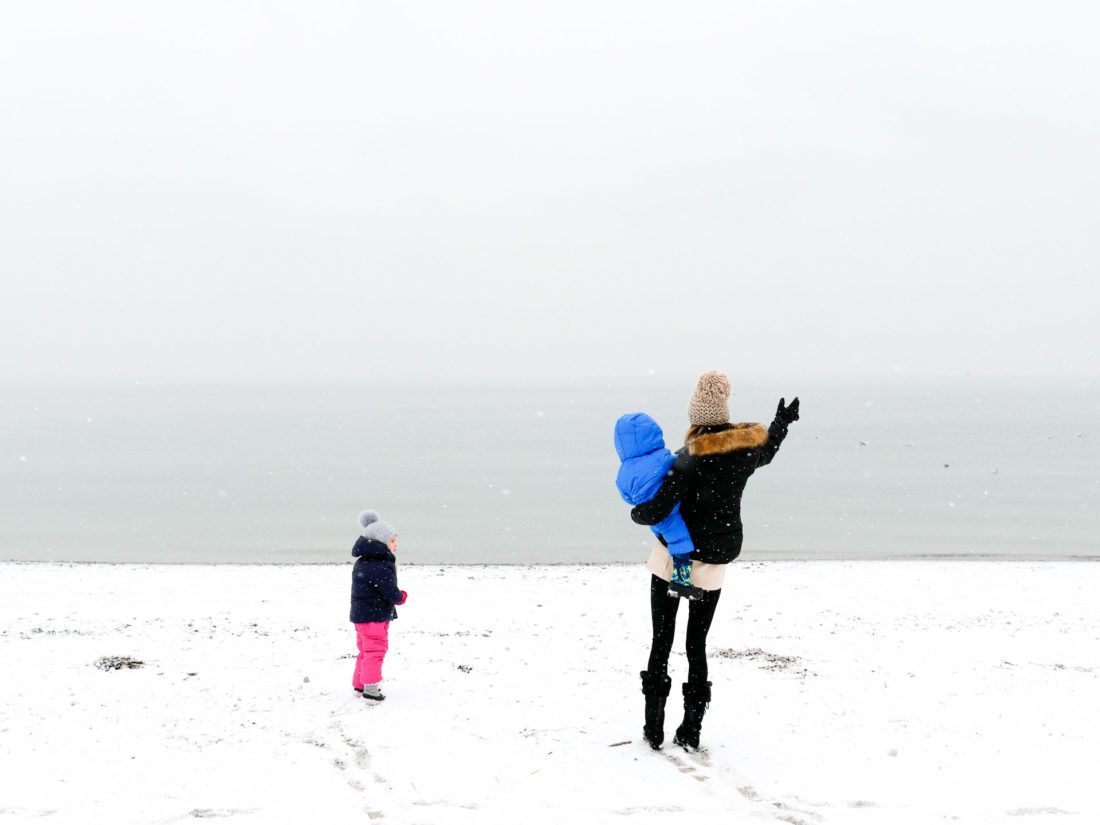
x: 373, y: 639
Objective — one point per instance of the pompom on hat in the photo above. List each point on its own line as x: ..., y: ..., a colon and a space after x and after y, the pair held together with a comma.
x: 374, y: 528
x: 708, y: 402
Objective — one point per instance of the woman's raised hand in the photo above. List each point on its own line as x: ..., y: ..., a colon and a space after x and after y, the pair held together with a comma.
x: 787, y: 414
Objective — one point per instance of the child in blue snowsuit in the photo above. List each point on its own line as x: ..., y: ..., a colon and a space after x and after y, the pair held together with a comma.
x: 645, y: 463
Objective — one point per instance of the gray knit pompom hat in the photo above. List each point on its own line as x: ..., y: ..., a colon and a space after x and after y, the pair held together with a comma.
x: 374, y: 528
x: 708, y: 402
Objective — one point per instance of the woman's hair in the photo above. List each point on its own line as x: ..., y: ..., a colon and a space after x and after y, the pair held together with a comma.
x: 696, y: 430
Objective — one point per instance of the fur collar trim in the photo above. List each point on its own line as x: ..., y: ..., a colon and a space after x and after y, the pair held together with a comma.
x: 741, y: 437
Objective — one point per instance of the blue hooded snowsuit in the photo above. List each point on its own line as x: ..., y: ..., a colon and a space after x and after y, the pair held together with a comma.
x: 645, y: 463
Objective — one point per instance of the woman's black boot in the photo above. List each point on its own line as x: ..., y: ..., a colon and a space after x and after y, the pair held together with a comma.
x: 696, y: 702
x: 656, y: 687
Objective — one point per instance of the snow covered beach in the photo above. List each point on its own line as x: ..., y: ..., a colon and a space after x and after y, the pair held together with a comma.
x: 844, y: 692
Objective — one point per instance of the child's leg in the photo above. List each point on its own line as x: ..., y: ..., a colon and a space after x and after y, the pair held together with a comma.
x: 373, y: 644
x: 681, y: 585
x: 681, y: 570
x: 361, y: 645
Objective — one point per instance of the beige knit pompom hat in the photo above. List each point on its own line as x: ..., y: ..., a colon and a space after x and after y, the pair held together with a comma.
x: 708, y: 402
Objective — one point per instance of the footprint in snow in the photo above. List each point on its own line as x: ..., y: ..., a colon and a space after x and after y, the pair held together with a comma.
x: 1039, y: 812
x: 651, y: 809
x: 217, y: 813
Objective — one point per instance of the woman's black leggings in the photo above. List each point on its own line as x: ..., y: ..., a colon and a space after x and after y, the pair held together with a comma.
x: 700, y: 615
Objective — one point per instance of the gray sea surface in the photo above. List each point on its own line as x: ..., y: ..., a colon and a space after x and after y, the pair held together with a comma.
x: 507, y: 475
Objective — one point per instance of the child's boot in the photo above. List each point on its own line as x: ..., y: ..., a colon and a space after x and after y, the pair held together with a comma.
x: 655, y: 687
x: 373, y: 693
x: 696, y: 702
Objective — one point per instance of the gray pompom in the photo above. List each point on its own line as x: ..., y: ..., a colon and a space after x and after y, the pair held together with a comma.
x: 367, y: 517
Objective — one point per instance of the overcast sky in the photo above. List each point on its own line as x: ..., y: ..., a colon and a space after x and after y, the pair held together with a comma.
x: 590, y: 191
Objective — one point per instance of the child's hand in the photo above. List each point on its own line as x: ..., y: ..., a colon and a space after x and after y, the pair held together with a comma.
x: 404, y: 597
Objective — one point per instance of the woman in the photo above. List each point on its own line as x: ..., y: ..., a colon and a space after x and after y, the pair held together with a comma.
x: 707, y: 479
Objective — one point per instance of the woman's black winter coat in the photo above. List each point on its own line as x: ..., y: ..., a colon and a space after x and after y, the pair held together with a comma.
x: 374, y: 590
x: 708, y: 479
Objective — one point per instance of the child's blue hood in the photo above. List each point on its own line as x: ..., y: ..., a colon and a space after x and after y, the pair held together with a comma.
x: 645, y: 461
x: 637, y: 434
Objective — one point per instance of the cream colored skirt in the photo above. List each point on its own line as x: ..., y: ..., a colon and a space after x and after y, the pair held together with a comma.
x: 704, y: 576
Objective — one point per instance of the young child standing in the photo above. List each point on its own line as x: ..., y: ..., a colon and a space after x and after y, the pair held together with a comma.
x: 374, y: 594
x: 645, y: 463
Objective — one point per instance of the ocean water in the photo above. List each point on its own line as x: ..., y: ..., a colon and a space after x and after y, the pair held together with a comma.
x: 149, y: 474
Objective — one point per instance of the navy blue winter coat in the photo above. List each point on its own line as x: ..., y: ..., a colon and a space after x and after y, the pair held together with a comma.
x: 374, y: 590
x: 645, y: 465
